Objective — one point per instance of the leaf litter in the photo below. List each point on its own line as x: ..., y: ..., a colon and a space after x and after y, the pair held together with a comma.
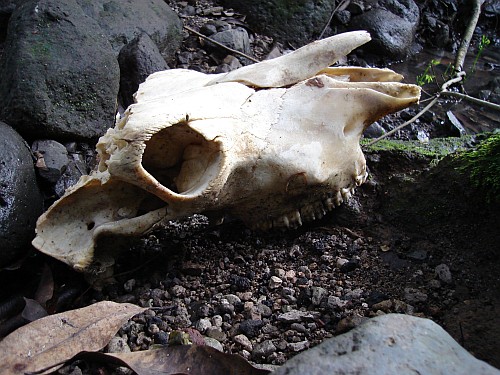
x: 47, y: 343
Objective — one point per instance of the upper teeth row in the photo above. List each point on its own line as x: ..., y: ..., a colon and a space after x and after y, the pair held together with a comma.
x: 312, y: 211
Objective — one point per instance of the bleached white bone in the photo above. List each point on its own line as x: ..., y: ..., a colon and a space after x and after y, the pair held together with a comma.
x: 274, y: 144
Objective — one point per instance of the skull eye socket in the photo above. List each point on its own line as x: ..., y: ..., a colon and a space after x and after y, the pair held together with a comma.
x: 181, y: 159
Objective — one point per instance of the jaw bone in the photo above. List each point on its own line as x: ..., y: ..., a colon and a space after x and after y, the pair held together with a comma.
x: 274, y: 144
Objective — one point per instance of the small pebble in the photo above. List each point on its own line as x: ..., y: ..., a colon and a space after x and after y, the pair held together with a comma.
x: 298, y: 346
x: 263, y: 349
x: 244, y: 342
x: 275, y: 282
x: 213, y: 343
x: 443, y: 273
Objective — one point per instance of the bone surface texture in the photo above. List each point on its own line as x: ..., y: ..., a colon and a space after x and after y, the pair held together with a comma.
x: 273, y: 144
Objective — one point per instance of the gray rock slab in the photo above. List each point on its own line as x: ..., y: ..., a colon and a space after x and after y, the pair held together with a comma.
x: 123, y: 20
x: 20, y: 199
x: 391, y: 344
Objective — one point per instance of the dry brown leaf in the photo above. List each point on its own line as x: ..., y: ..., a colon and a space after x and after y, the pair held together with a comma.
x: 186, y: 359
x: 48, y: 342
x: 45, y: 290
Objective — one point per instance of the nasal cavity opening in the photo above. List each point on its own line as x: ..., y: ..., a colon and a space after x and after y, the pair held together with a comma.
x: 181, y: 159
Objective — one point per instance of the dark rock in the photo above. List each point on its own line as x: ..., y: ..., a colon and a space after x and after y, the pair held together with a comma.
x: 161, y: 338
x: 74, y: 170
x: 343, y: 17
x: 240, y: 283
x: 59, y: 76
x: 122, y: 21
x: 375, y: 297
x: 52, y: 159
x: 138, y: 60
x: 375, y: 130
x: 297, y: 21
x: 389, y: 344
x: 6, y: 9
x: 392, y: 28
x: 208, y: 29
x: 350, y: 266
x: 251, y: 327
x: 20, y: 199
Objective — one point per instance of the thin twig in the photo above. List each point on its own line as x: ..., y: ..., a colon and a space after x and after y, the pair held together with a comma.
x: 331, y: 17
x: 464, y: 46
x: 472, y: 99
x: 406, y: 123
x: 221, y: 45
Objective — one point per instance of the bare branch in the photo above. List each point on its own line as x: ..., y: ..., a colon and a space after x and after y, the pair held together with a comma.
x: 472, y: 99
x: 464, y: 46
x: 406, y: 123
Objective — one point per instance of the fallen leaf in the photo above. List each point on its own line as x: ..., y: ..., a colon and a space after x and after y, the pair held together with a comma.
x: 184, y: 359
x: 45, y: 289
x: 47, y: 343
x: 33, y: 310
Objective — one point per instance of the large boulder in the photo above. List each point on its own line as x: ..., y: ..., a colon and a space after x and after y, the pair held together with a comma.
x: 392, y: 25
x: 296, y: 21
x: 20, y: 199
x: 59, y: 76
x: 391, y: 344
x: 123, y: 20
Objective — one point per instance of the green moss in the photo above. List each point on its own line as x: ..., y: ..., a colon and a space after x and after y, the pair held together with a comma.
x: 436, y: 148
x: 482, y: 164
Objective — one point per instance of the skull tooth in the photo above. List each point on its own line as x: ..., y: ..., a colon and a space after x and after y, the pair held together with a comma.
x: 360, y: 179
x: 338, y: 198
x: 346, y: 193
x: 320, y: 210
x: 296, y: 218
x: 329, y: 204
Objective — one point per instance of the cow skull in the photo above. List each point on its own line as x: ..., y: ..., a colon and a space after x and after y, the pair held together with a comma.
x: 274, y: 144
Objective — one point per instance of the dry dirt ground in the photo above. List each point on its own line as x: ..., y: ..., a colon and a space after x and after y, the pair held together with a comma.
x: 414, y: 239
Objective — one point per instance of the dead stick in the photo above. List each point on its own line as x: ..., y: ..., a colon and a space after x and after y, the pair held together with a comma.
x: 221, y: 45
x: 464, y: 46
x: 472, y: 99
x: 331, y: 17
x: 406, y: 123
